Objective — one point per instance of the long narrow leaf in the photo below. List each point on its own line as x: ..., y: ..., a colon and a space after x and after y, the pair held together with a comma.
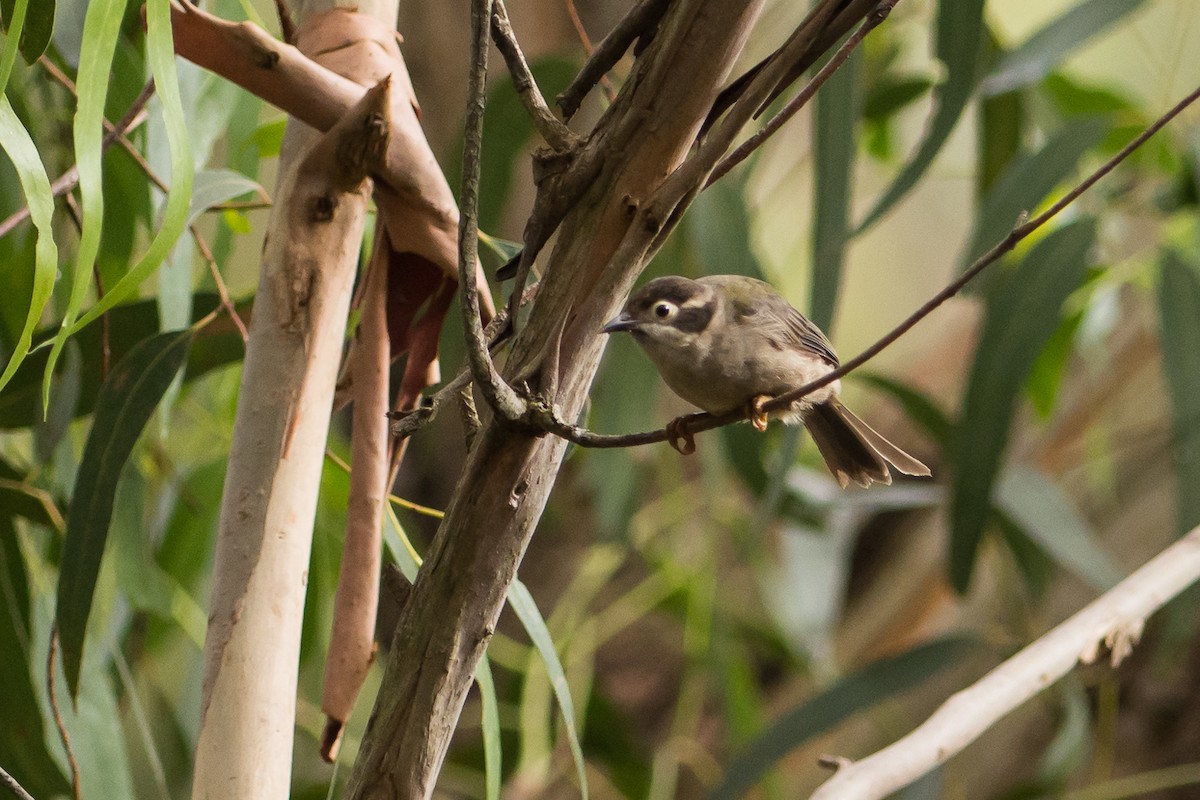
x: 30, y: 31
x: 1051, y: 45
x: 36, y: 186
x: 14, y: 25
x: 160, y: 51
x: 522, y: 603
x: 493, y: 765
x: 834, y: 146
x: 1026, y: 182
x: 1047, y: 517
x: 959, y: 37
x: 1179, y: 332
x: 1023, y: 312
x: 126, y: 402
x: 101, y: 27
x: 858, y: 691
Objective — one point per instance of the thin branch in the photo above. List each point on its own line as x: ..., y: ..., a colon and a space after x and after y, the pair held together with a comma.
x: 556, y: 134
x: 499, y: 395
x: 702, y: 421
x: 1114, y: 621
x: 641, y: 20
x: 606, y: 85
x: 134, y: 117
x: 10, y: 783
x: 222, y: 290
x: 873, y: 20
x: 695, y: 170
x: 54, y: 712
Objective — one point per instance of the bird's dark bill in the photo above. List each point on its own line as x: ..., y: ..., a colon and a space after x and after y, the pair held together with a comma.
x: 621, y: 322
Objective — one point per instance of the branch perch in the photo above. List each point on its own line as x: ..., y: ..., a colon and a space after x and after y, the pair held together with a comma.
x: 1113, y: 621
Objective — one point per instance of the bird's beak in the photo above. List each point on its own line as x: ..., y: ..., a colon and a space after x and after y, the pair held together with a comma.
x: 621, y: 322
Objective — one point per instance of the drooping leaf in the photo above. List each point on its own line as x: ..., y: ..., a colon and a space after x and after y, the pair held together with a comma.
x: 1051, y: 45
x: 858, y: 691
x: 101, y: 29
x: 1048, y: 517
x: 216, y: 345
x: 36, y: 186
x: 1027, y: 180
x: 919, y: 407
x: 23, y: 752
x: 1179, y: 333
x: 490, y: 723
x: 126, y: 402
x: 160, y: 51
x: 37, y: 29
x: 1023, y: 310
x: 834, y: 148
x: 959, y: 35
x: 523, y: 605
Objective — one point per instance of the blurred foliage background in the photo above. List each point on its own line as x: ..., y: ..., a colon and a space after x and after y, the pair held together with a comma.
x: 717, y: 621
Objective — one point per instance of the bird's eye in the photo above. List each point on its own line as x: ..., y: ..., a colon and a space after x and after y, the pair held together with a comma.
x: 663, y: 310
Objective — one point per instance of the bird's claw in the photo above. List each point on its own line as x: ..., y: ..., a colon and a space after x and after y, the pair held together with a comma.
x: 758, y: 417
x: 680, y: 436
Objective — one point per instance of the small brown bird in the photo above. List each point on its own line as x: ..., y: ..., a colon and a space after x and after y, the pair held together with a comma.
x: 725, y: 342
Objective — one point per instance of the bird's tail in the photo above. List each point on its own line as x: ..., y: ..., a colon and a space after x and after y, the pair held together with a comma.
x: 853, y: 450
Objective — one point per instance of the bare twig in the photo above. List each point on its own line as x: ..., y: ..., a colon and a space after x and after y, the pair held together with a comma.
x: 1114, y: 621
x: 499, y: 395
x: 703, y: 421
x: 556, y: 134
x: 134, y: 117
x: 10, y: 783
x: 610, y: 92
x: 873, y: 20
x: 54, y: 712
x: 640, y: 21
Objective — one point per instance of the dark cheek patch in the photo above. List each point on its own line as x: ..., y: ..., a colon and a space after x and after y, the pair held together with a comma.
x: 694, y: 319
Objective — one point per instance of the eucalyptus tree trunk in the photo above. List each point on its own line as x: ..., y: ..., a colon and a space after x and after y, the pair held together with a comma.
x: 603, y: 242
x: 271, y: 486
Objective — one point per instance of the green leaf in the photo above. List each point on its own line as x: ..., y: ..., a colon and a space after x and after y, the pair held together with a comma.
x: 36, y: 186
x: 490, y: 722
x: 1022, y: 313
x: 523, y: 605
x: 717, y: 230
x: 160, y: 50
x: 834, y: 148
x: 1048, y: 517
x: 1051, y: 45
x: 919, y: 407
x: 101, y: 28
x: 35, y: 33
x: 959, y: 37
x: 891, y: 93
x: 1027, y: 180
x: 212, y: 187
x: 23, y: 751
x: 216, y: 344
x: 126, y: 402
x: 858, y: 691
x: 268, y: 138
x: 1179, y: 334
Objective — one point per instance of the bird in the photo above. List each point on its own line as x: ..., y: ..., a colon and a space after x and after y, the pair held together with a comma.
x: 726, y: 342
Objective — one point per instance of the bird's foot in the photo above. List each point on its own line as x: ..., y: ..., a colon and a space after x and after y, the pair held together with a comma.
x: 758, y: 417
x: 680, y: 436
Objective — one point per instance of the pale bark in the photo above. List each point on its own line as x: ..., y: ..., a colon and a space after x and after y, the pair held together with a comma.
x: 603, y: 242
x: 271, y: 487
x: 1114, y: 621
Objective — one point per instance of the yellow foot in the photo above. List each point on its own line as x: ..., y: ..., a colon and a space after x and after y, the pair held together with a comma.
x: 758, y: 417
x: 679, y: 435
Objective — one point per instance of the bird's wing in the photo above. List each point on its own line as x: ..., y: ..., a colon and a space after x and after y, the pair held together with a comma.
x: 779, y: 321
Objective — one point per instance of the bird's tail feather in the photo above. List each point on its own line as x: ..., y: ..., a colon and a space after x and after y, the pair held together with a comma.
x: 853, y: 450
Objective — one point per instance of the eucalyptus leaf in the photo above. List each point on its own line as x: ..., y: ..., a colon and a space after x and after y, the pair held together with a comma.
x: 960, y: 27
x: 1179, y: 333
x: 1051, y: 45
x: 126, y: 402
x: 1023, y: 311
x: 856, y: 692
